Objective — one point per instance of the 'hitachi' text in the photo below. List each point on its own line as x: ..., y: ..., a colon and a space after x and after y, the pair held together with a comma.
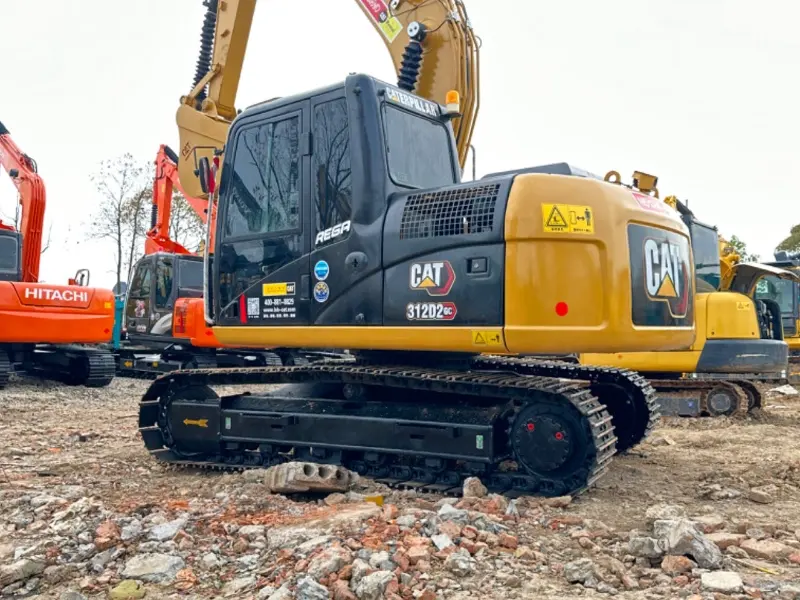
x: 63, y: 295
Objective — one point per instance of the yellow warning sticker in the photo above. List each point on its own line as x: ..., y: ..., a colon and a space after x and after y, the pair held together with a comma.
x: 742, y: 306
x: 386, y: 22
x: 391, y: 28
x: 278, y: 289
x: 567, y: 218
x: 487, y: 338
x: 197, y: 422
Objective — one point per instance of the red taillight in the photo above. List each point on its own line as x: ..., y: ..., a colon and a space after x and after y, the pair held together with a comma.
x: 180, y: 319
x: 562, y: 309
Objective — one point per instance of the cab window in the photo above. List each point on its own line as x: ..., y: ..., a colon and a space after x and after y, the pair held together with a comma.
x: 140, y: 286
x: 9, y: 258
x: 705, y: 247
x: 265, y: 180
x: 418, y: 149
x: 163, y: 283
x: 779, y: 290
x: 333, y: 188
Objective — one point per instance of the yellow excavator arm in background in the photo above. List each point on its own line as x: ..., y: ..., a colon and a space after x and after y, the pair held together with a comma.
x: 431, y: 43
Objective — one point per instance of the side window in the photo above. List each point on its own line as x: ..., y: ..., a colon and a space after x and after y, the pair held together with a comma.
x: 265, y: 191
x: 332, y: 183
x: 140, y: 286
x: 163, y: 283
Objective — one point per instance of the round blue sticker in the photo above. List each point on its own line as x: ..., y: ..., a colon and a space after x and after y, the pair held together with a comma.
x: 321, y: 291
x: 321, y: 270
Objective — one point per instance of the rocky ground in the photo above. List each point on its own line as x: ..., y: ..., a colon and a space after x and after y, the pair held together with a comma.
x: 705, y: 509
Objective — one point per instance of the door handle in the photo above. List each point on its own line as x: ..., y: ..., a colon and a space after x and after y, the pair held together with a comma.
x: 305, y: 285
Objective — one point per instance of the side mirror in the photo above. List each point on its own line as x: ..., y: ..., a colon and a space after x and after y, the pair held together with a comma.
x: 120, y: 289
x: 205, y: 175
x: 82, y: 277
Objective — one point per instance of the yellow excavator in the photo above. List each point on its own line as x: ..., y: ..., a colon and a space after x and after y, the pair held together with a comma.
x: 342, y: 222
x: 740, y: 340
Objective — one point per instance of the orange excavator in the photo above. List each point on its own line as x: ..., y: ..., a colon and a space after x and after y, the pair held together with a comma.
x: 163, y: 281
x: 52, y: 331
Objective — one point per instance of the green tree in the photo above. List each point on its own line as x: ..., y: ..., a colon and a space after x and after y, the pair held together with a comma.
x: 791, y: 243
x: 741, y: 249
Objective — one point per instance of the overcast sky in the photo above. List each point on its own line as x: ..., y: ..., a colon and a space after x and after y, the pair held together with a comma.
x: 702, y: 93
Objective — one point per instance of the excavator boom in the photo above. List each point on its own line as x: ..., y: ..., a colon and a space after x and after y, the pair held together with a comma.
x: 22, y: 170
x: 431, y: 44
x: 166, y: 180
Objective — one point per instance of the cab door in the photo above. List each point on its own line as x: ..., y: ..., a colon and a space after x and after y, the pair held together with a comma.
x: 138, y: 305
x: 261, y: 259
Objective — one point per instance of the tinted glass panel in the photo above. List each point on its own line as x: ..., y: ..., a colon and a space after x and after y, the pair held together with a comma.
x: 264, y: 194
x: 141, y: 281
x: 331, y: 165
x: 705, y: 246
x: 190, y: 274
x: 418, y: 149
x: 163, y: 283
x: 8, y: 254
x: 779, y: 290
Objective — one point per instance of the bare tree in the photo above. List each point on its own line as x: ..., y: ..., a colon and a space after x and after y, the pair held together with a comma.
x: 123, y: 216
x: 185, y: 225
x: 123, y: 184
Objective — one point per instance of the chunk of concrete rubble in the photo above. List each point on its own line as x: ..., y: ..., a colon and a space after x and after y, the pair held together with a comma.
x: 299, y: 477
x: 581, y: 571
x: 726, y: 582
x: 682, y: 537
x: 661, y: 512
x: 473, y: 488
x: 308, y: 589
x: 373, y: 586
x: 785, y: 390
x: 156, y: 568
x: 20, y: 571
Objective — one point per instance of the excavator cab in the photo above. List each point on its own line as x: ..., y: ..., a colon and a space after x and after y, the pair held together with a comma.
x: 786, y: 294
x: 158, y: 281
x: 10, y: 255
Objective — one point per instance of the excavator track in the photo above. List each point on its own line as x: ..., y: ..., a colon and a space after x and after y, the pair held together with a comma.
x: 523, y: 427
x: 5, y: 369
x: 703, y: 397
x: 73, y: 365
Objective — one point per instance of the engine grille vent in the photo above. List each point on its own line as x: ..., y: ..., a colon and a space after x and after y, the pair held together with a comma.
x: 449, y: 212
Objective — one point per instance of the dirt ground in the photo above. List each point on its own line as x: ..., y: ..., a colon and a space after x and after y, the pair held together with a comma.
x: 74, y: 477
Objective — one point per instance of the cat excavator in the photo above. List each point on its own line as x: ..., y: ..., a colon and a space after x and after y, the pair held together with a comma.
x: 47, y: 330
x: 343, y: 223
x: 165, y: 288
x: 740, y: 339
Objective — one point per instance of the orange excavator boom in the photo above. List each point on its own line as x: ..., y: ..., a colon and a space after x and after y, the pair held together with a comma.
x: 165, y: 182
x: 23, y: 172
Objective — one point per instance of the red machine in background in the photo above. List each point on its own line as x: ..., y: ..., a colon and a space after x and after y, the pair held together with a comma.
x: 43, y: 325
x: 160, y: 333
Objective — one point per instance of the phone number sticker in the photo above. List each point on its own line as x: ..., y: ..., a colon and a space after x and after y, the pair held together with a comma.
x: 431, y: 311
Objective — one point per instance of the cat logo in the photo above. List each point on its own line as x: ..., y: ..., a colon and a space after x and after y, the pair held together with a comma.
x: 436, y: 278
x: 667, y: 275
